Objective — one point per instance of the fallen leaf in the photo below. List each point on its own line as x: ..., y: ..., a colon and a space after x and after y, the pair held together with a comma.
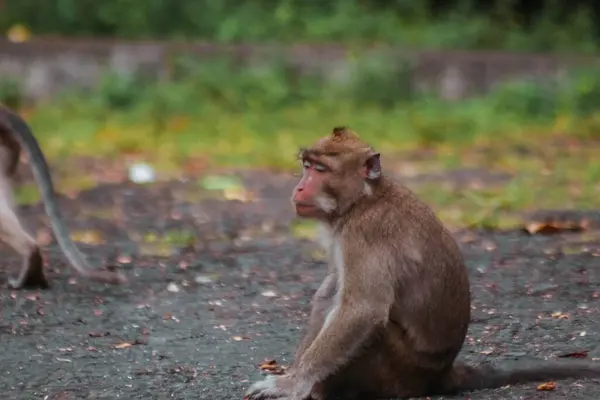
x: 98, y: 334
x: 240, y: 338
x: 123, y: 345
x: 547, y: 386
x: 576, y: 354
x: 144, y: 372
x: 240, y: 194
x: 87, y: 237
x: 556, y: 225
x: 560, y: 315
x: 167, y: 316
x: 272, y: 367
x: 139, y: 341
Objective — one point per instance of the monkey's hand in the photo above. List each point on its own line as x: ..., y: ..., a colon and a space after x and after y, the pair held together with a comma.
x: 273, y: 387
x: 304, y: 389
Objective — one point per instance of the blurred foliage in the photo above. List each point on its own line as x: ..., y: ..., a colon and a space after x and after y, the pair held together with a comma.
x: 555, y: 26
x: 260, y: 114
x: 215, y: 113
x: 11, y: 93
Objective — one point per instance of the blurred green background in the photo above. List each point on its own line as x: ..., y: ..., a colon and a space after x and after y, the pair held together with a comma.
x: 545, y: 132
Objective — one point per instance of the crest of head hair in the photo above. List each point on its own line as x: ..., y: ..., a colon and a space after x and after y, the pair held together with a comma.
x: 341, y: 133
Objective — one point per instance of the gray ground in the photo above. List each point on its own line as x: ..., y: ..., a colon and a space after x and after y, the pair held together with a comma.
x: 243, y: 295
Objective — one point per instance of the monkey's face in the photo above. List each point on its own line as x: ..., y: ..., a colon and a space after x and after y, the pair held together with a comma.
x: 309, y: 197
x: 332, y: 183
x: 336, y: 172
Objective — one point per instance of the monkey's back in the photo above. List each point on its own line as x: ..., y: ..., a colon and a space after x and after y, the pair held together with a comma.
x: 432, y: 306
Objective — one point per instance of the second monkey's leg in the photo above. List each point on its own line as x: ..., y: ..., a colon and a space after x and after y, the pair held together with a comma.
x: 13, y: 234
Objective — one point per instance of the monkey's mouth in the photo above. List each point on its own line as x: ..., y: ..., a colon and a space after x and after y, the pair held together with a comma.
x: 305, y: 209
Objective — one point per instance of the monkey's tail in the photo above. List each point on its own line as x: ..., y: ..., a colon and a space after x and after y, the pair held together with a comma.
x: 467, y: 378
x: 44, y: 180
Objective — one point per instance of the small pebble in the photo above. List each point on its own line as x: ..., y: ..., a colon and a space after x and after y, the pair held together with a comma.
x: 203, y: 279
x: 172, y: 287
x: 141, y: 173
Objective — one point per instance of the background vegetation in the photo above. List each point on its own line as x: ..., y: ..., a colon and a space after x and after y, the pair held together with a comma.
x: 529, y: 25
x: 544, y: 132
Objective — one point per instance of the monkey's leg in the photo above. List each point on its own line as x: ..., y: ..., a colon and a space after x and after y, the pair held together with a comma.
x: 386, y: 368
x: 12, y: 233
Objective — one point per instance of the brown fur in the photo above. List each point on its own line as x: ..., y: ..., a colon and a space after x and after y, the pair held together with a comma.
x: 391, y: 316
x: 15, y: 134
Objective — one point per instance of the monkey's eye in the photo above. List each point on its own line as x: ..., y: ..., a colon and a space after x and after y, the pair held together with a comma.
x: 320, y: 167
x: 306, y: 164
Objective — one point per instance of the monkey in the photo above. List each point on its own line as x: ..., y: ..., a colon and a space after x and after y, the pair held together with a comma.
x: 392, y: 314
x: 16, y: 134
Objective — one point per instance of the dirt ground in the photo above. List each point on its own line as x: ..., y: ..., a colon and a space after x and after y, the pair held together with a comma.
x: 199, y: 316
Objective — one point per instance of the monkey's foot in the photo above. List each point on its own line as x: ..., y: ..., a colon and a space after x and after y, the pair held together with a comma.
x: 32, y: 281
x: 273, y: 387
x: 32, y: 274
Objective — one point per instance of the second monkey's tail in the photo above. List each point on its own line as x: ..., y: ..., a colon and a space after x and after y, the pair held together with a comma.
x: 43, y: 178
x: 467, y: 378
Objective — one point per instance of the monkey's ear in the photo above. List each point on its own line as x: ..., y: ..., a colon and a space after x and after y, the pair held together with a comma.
x: 373, y: 166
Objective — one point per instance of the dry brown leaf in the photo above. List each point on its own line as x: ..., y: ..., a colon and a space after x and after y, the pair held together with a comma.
x: 87, y: 237
x: 560, y: 315
x: 546, y: 386
x: 98, y: 334
x: 240, y: 194
x: 123, y: 345
x: 272, y: 367
x: 575, y: 354
x: 555, y: 226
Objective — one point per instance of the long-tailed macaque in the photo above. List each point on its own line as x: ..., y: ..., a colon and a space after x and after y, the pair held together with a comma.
x: 15, y: 134
x: 391, y: 316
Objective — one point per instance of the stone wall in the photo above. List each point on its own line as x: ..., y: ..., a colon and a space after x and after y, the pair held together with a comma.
x: 44, y: 65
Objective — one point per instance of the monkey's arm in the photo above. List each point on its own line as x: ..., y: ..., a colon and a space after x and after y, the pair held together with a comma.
x: 363, y: 303
x: 321, y: 302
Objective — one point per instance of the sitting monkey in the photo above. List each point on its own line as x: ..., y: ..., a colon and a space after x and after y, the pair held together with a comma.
x: 392, y: 314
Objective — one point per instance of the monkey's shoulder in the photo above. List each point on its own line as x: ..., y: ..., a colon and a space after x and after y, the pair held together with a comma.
x: 399, y: 218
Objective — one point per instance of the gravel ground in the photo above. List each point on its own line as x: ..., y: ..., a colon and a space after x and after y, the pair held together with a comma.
x: 234, y: 289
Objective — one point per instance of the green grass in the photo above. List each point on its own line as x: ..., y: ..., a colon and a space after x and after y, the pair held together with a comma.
x: 229, y: 117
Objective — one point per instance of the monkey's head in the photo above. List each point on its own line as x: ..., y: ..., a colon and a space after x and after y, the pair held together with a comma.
x: 337, y: 171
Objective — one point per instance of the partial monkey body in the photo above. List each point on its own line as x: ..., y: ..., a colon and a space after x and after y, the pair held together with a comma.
x: 392, y: 314
x: 15, y: 134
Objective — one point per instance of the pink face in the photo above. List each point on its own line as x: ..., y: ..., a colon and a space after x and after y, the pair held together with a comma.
x: 308, y: 191
x: 309, y: 198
